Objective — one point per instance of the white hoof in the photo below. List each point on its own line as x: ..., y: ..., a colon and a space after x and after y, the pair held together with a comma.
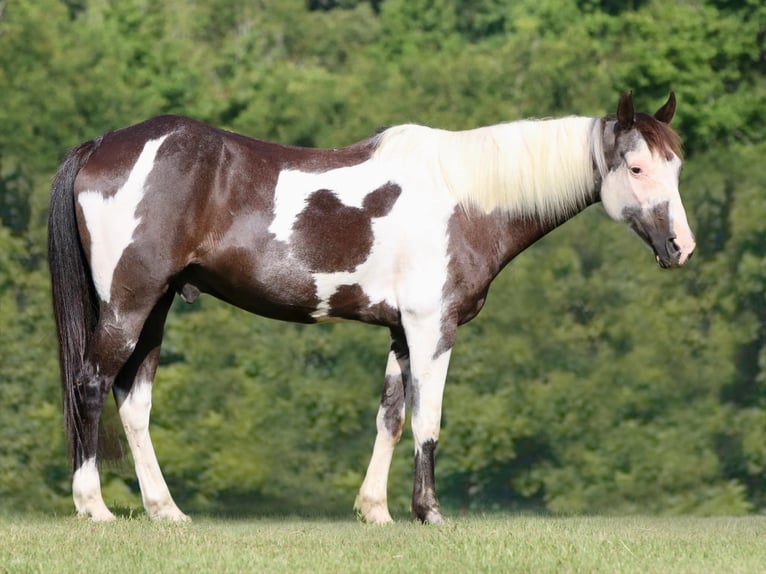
x: 169, y: 514
x: 373, y: 512
x: 98, y: 515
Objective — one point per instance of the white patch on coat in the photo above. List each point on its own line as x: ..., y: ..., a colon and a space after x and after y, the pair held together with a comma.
x: 407, y: 263
x: 86, y: 492
x: 112, y: 220
x: 134, y: 409
x: 656, y: 183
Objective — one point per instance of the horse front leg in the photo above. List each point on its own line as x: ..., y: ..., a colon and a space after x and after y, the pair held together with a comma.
x: 372, y: 502
x: 430, y: 343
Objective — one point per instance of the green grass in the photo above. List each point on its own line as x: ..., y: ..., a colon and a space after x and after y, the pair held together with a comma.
x: 466, y: 544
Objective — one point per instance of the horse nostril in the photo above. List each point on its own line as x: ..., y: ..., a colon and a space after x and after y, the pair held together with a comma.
x: 672, y: 247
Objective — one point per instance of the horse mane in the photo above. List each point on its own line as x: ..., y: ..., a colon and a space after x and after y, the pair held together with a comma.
x: 535, y: 168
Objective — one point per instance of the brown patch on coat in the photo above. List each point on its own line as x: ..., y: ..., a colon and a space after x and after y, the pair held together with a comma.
x: 380, y: 202
x: 396, y: 386
x: 351, y: 302
x: 330, y: 237
x: 392, y: 401
x: 205, y: 217
x: 480, y: 246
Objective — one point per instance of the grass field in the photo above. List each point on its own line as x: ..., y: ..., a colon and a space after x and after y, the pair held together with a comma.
x: 466, y: 544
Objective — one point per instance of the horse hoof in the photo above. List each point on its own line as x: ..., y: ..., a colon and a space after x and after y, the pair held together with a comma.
x: 433, y: 517
x: 377, y: 515
x: 103, y: 516
x: 430, y: 516
x: 373, y: 512
x: 170, y: 515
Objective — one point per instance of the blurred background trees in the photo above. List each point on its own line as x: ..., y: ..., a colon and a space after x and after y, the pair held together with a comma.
x: 592, y: 381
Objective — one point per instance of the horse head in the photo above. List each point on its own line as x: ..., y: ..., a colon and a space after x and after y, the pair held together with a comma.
x: 643, y: 161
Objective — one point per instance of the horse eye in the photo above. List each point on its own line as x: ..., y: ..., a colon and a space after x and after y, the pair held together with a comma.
x: 635, y: 169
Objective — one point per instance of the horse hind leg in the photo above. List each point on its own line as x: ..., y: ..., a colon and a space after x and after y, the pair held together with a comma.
x: 107, y: 351
x: 133, y: 395
x: 372, y: 502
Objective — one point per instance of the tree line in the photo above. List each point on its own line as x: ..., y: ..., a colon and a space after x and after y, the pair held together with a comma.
x: 592, y: 381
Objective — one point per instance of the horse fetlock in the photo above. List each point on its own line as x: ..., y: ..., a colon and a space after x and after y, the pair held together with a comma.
x: 161, y: 506
x: 86, y: 492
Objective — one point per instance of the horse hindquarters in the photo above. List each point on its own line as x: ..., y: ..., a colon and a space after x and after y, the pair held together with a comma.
x: 97, y: 337
x: 75, y: 310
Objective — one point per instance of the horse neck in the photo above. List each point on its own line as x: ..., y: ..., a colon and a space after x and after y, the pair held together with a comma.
x: 511, y: 234
x: 512, y: 227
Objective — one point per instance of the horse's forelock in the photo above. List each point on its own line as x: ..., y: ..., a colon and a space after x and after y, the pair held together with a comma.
x: 659, y: 136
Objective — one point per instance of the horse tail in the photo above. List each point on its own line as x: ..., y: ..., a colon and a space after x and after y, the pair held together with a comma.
x: 75, y: 305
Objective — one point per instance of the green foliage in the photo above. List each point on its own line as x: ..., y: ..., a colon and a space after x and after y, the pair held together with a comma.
x: 592, y: 382
x: 31, y: 439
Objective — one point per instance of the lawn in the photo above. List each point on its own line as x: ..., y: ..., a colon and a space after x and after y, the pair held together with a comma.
x: 496, y: 543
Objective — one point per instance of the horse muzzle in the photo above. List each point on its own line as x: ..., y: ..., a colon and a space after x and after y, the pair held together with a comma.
x: 655, y: 229
x: 671, y: 255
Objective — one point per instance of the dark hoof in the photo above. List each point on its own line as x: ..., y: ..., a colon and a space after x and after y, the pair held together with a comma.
x: 429, y: 516
x: 433, y: 517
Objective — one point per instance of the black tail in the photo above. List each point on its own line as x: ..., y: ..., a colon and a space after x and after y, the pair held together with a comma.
x: 75, y: 305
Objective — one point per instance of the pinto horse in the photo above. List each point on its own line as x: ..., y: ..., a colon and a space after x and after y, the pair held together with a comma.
x: 405, y: 229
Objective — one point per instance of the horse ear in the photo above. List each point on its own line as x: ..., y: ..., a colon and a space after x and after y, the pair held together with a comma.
x: 625, y: 115
x: 666, y: 112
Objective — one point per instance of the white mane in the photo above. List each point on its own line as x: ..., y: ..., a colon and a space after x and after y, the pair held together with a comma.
x: 540, y: 168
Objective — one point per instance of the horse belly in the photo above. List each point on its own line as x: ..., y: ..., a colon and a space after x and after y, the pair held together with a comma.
x: 261, y: 283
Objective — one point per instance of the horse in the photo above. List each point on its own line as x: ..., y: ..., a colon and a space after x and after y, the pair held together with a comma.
x: 405, y: 229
